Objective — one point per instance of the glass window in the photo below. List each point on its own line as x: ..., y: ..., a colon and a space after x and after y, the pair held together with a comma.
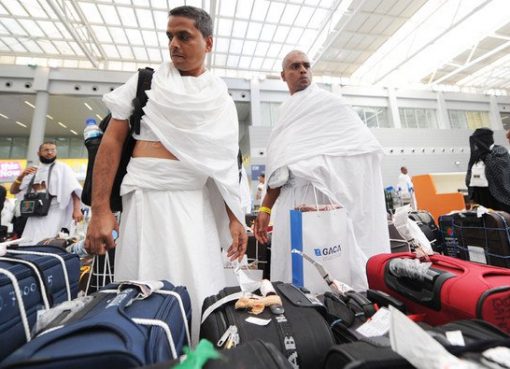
x: 5, y: 147
x: 19, y: 148
x: 468, y: 119
x: 77, y: 148
x: 417, y: 118
x: 373, y: 116
x: 505, y: 119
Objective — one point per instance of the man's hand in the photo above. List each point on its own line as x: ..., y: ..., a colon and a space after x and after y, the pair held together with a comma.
x: 239, y: 241
x: 260, y: 227
x: 77, y: 215
x: 99, y: 233
x: 508, y: 135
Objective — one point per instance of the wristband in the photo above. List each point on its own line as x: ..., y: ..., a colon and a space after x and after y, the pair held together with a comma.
x: 17, y: 181
x: 265, y: 209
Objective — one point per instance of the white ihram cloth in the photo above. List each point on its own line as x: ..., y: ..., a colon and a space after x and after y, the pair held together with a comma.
x: 174, y: 221
x: 62, y: 184
x: 322, y: 142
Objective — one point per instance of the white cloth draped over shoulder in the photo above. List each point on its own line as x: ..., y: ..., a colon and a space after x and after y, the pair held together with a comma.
x: 62, y: 184
x: 322, y: 142
x: 174, y: 220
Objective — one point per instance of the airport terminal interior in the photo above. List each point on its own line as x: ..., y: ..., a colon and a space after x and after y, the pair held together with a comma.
x: 426, y: 80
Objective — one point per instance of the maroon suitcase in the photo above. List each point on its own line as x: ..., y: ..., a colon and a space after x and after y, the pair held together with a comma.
x: 453, y: 289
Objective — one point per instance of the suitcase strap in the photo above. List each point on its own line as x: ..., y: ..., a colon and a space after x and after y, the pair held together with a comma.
x: 286, y: 334
x: 21, y: 305
x: 56, y: 256
x: 37, y: 272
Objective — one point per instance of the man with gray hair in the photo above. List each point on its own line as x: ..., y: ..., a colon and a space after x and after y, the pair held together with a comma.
x: 320, y: 145
x: 180, y: 196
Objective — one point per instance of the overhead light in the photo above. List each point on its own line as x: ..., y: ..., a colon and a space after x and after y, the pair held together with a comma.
x: 30, y: 104
x: 62, y: 124
x: 49, y: 116
x: 21, y: 124
x: 87, y: 105
x: 100, y: 117
x: 74, y: 132
x: 4, y: 116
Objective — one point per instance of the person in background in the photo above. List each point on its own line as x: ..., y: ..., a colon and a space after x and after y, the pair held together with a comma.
x: 405, y: 188
x: 180, y: 196
x: 488, y: 172
x: 63, y: 187
x: 261, y: 190
x: 319, y: 143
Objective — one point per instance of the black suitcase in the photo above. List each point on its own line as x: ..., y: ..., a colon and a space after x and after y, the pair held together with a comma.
x: 301, y: 333
x: 42, y: 276
x: 250, y: 355
x: 428, y: 226
x: 376, y: 353
x: 484, y: 239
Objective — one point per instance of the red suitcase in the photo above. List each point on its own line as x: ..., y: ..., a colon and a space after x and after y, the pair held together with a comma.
x: 454, y: 289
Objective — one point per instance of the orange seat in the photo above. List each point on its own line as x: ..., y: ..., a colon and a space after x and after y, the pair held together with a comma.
x: 435, y: 203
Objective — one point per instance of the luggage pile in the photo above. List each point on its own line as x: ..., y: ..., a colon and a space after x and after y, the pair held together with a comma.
x: 281, y: 326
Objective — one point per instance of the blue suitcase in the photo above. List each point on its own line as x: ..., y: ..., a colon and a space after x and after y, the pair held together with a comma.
x: 121, y: 326
x: 32, y: 278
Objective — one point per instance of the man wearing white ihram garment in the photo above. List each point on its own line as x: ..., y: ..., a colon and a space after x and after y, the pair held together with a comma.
x: 180, y: 195
x: 320, y: 143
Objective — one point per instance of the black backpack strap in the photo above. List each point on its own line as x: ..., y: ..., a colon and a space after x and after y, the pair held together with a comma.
x: 144, y: 83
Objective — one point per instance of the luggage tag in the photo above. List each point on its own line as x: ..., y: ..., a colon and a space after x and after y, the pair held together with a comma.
x: 145, y: 288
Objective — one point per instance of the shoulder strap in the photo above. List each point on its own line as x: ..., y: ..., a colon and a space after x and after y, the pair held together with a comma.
x: 49, y: 177
x: 31, y: 184
x: 144, y: 83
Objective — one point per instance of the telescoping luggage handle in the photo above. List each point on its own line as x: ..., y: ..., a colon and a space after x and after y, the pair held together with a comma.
x: 21, y: 305
x: 134, y: 290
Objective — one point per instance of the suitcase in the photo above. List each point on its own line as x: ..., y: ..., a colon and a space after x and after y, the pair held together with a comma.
x: 118, y: 327
x: 453, y: 289
x: 301, y: 333
x: 42, y: 276
x: 484, y: 240
x: 428, y: 226
x: 450, y: 246
x: 376, y: 353
x: 250, y: 355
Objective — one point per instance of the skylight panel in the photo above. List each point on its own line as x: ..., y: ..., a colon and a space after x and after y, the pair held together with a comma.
x: 3, y: 11
x: 76, y: 48
x: 304, y: 16
x: 32, y: 27
x: 267, y: 32
x: 327, y: 3
x: 118, y: 35
x: 224, y: 27
x: 14, y: 8
x: 63, y: 30
x: 294, y: 35
x: 125, y: 2
x: 274, y: 50
x: 239, y: 28
x: 64, y: 47
x: 275, y: 12
x: 3, y: 30
x: 35, y: 9
x: 318, y: 18
x: 261, y: 48
x: 48, y: 47
x: 150, y: 38
x: 268, y: 64
x: 91, y: 13
x: 254, y: 30
x: 111, y: 51
x: 227, y: 8
x: 69, y: 63
x: 249, y: 47
x: 244, y: 9
x: 125, y: 52
x: 154, y: 55
x: 220, y: 59
x: 244, y: 62
x: 161, y: 19
x: 127, y: 16
x: 235, y: 46
x: 260, y: 10
x: 140, y: 53
x: 134, y: 36
x: 14, y: 45
x: 232, y: 61
x: 256, y: 63
x: 221, y: 44
x: 308, y: 38
x: 32, y: 47
x: 281, y: 33
x: 312, y: 2
x: 290, y: 14
x: 102, y: 34
x: 13, y: 26
x: 195, y: 3
x: 145, y: 18
x: 109, y: 14
x: 50, y: 29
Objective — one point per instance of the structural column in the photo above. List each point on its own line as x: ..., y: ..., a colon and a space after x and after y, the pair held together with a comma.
x: 40, y: 85
x: 442, y: 112
x: 495, y: 116
x: 255, y: 102
x: 393, y: 108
